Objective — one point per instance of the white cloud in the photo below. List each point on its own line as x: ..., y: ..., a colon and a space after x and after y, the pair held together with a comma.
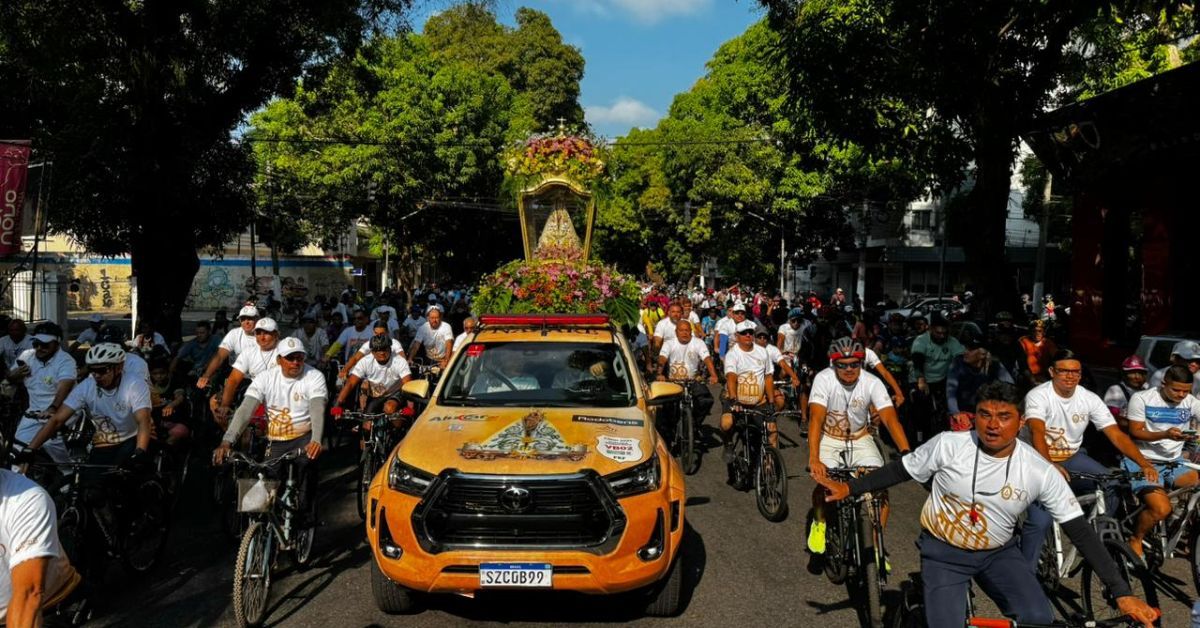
x: 624, y: 111
x: 643, y: 11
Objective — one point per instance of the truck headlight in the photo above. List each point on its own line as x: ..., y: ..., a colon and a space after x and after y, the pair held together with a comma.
x: 407, y: 479
x: 636, y: 480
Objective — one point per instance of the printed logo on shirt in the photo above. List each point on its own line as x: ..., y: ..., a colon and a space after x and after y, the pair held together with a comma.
x: 749, y: 388
x: 1014, y: 493
x: 952, y: 523
x: 1056, y: 441
x: 1078, y: 418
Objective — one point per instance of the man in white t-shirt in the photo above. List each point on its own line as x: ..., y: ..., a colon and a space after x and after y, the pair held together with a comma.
x: 414, y: 322
x: 294, y: 395
x: 315, y: 341
x: 980, y: 482
x: 726, y: 329
x: 378, y: 328
x: 685, y: 359
x: 35, y: 573
x: 1185, y: 353
x: 250, y: 365
x: 235, y: 342
x: 119, y: 406
x: 665, y: 328
x: 16, y: 342
x: 89, y: 335
x: 1161, y: 420
x: 48, y: 375
x: 435, y: 336
x: 762, y: 338
x: 384, y: 371
x: 748, y: 383
x: 839, y: 413
x: 790, y: 338
x: 690, y: 315
x: 470, y: 324
x: 352, y: 338
x: 1057, y: 414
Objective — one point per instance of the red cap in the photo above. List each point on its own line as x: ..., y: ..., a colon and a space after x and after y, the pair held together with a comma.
x: 1133, y: 363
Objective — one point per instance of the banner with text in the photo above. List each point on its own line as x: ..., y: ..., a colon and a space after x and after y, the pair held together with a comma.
x: 14, y: 168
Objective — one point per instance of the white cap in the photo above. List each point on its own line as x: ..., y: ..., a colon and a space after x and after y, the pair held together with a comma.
x: 745, y: 326
x: 370, y: 293
x: 1186, y: 350
x: 45, y: 338
x: 266, y: 324
x: 96, y: 318
x: 433, y: 307
x: 289, y: 346
x: 248, y: 311
x: 738, y: 307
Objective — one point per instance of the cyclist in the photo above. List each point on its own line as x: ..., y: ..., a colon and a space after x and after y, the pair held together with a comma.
x: 378, y: 328
x: 725, y: 336
x: 681, y: 358
x: 196, y: 353
x: 1038, y: 350
x: 981, y: 481
x: 384, y: 373
x: 470, y: 324
x: 236, y: 342
x: 294, y: 395
x: 791, y: 335
x: 312, y: 337
x: 88, y: 336
x: 435, y: 336
x: 1160, y: 421
x: 383, y: 314
x: 1057, y: 414
x: 16, y: 342
x: 931, y: 355
x: 166, y: 403
x: 748, y: 382
x: 48, y: 375
x: 250, y: 365
x: 119, y: 405
x: 352, y: 338
x: 1133, y: 380
x: 665, y: 328
x: 839, y: 415
x: 1185, y: 353
x: 777, y: 358
x: 968, y: 372
x: 690, y: 315
x: 414, y: 322
x: 35, y: 573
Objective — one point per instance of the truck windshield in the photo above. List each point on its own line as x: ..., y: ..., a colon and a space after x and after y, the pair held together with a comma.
x: 555, y: 374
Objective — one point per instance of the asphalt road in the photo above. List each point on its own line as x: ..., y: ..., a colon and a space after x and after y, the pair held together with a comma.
x: 742, y: 570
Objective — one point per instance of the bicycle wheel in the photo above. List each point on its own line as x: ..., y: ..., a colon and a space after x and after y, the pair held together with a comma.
x: 836, y: 569
x: 252, y: 575
x: 368, y: 466
x: 689, y: 458
x: 71, y: 529
x: 873, y: 610
x: 910, y: 611
x: 1047, y: 566
x: 770, y: 483
x: 1098, y: 604
x: 739, y: 468
x: 146, y: 532
x: 1193, y: 545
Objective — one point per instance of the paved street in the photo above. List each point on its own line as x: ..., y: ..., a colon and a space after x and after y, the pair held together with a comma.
x: 742, y: 570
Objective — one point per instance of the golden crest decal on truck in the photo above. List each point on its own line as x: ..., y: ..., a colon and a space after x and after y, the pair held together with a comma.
x: 529, y: 438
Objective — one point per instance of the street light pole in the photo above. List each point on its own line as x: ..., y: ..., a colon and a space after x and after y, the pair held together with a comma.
x: 782, y: 247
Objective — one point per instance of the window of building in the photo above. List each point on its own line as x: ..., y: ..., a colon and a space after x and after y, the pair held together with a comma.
x: 922, y: 219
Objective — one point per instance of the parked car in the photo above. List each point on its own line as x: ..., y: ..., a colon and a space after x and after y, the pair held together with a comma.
x: 535, y: 464
x: 1155, y: 351
x: 926, y: 306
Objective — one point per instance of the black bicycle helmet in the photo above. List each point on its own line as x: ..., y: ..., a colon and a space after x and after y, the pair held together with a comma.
x: 381, y: 342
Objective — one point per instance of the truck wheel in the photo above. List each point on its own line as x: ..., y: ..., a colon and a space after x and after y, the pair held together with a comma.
x: 390, y: 597
x: 667, y: 594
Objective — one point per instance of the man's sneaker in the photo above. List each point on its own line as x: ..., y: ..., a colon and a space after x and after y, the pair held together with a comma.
x: 816, y: 564
x: 816, y: 537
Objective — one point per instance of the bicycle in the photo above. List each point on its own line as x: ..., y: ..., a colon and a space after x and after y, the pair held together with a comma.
x: 758, y: 464
x: 224, y: 483
x: 1163, y: 540
x: 272, y: 511
x: 855, y: 548
x: 427, y: 369
x: 683, y: 434
x: 377, y: 441
x: 791, y: 404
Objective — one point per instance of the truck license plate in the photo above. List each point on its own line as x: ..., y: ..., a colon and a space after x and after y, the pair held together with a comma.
x: 534, y: 575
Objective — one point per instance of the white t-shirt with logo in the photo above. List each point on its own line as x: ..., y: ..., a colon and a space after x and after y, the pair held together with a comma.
x: 773, y: 354
x: 847, y: 408
x: 1066, y: 419
x: 29, y: 530
x: 1159, y: 415
x: 683, y: 361
x: 286, y: 401
x: 725, y: 325
x: 44, y: 377
x: 352, y: 339
x: 664, y: 329
x: 237, y: 342
x: 434, y: 340
x: 10, y: 350
x: 112, y: 411
x: 254, y: 363
x: 381, y: 377
x: 793, y: 339
x: 1004, y: 488
x: 752, y: 369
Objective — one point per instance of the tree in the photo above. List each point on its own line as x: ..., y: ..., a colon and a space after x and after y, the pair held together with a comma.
x: 965, y: 77
x: 136, y: 103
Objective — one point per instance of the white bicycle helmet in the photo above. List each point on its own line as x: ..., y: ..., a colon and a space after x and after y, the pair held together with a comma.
x: 846, y: 347
x: 105, y: 353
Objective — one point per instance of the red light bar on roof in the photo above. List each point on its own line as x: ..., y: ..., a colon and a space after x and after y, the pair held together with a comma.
x: 544, y: 319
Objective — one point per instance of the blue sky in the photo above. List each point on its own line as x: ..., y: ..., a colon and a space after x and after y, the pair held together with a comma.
x: 639, y: 53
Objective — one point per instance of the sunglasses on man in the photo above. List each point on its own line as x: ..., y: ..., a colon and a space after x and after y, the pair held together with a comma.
x: 846, y: 366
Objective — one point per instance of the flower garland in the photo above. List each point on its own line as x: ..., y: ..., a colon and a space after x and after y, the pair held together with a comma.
x: 573, y: 156
x: 559, y: 287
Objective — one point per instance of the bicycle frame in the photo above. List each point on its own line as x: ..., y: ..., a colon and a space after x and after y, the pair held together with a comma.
x: 1167, y: 534
x: 280, y: 516
x: 849, y: 513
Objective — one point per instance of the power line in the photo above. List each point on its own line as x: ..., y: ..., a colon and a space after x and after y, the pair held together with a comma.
x: 322, y: 141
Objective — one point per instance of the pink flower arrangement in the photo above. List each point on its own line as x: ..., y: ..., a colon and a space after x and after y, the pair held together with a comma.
x: 555, y: 286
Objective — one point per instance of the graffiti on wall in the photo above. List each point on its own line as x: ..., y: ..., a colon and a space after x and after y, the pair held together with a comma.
x: 98, y: 287
x: 212, y: 289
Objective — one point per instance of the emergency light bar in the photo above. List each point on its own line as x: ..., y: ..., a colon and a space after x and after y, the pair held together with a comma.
x: 543, y: 319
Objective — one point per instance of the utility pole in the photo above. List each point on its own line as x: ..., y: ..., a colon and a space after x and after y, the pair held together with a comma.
x: 782, y: 257
x: 1039, y: 268
x: 860, y: 287
x: 942, y: 254
x: 276, y: 284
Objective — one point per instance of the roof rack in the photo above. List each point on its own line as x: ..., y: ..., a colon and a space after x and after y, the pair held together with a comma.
x: 543, y: 320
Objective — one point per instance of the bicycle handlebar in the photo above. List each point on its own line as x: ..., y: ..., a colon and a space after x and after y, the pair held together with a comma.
x: 241, y: 458
x: 1117, y: 475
